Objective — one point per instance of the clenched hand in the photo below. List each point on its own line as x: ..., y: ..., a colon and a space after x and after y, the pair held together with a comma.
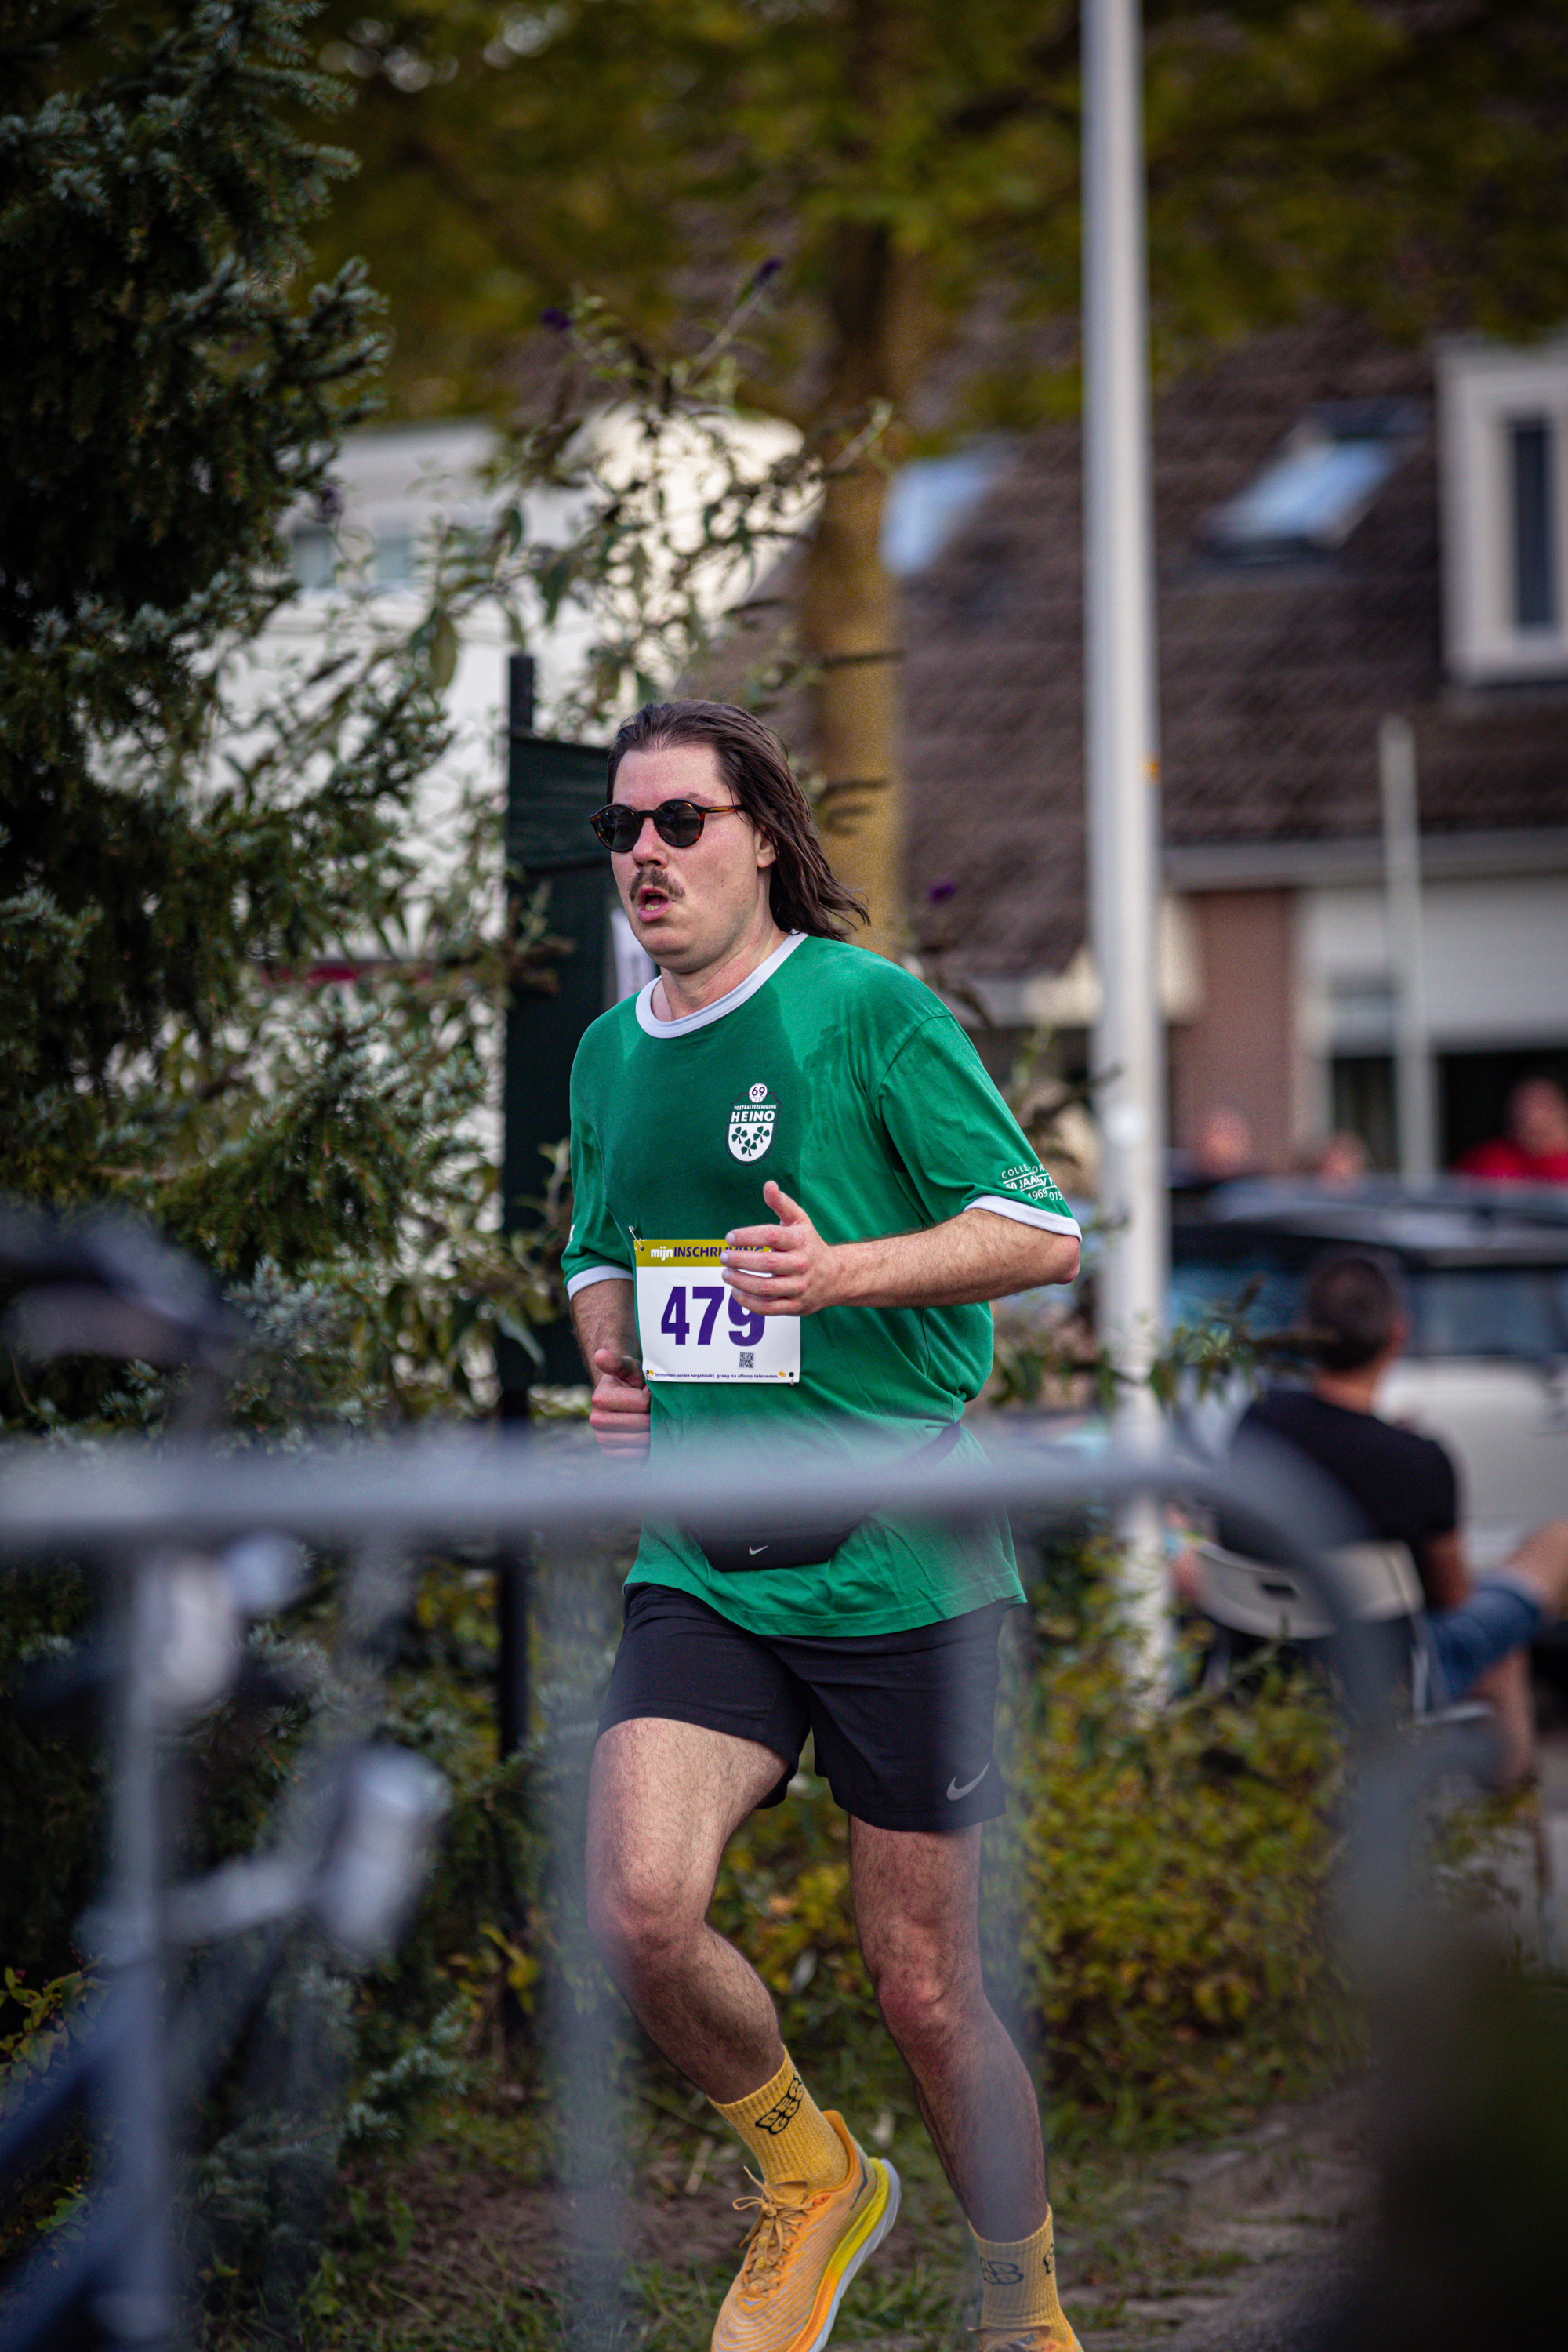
x: 618, y: 1415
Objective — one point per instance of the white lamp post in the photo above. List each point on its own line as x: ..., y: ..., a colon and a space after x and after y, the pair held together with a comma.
x: 1123, y: 778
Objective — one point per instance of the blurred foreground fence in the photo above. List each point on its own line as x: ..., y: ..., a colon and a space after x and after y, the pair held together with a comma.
x: 190, y: 1543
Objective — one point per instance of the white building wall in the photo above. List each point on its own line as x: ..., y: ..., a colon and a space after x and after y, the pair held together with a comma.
x: 1497, y: 964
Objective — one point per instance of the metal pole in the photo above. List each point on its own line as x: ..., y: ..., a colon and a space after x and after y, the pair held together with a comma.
x: 514, y: 1560
x: 514, y: 1579
x: 135, y: 2304
x: 1415, y: 1123
x: 1123, y: 768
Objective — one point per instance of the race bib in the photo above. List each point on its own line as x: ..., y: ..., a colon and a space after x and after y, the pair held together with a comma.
x: 693, y: 1327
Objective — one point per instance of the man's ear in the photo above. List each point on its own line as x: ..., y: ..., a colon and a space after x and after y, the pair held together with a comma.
x: 767, y: 854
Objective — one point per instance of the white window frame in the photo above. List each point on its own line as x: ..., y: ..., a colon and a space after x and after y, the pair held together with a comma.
x: 1483, y: 388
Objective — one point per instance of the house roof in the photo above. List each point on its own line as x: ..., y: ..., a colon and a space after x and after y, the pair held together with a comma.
x: 1273, y: 677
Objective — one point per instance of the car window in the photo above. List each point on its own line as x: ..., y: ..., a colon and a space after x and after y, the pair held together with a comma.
x: 1482, y: 1310
x: 1557, y: 1282
x: 1203, y: 1292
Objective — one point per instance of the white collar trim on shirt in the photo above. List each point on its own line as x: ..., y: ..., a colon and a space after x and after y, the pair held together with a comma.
x: 652, y: 1026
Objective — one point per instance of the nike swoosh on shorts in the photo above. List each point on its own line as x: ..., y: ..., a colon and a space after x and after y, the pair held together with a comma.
x: 954, y: 1791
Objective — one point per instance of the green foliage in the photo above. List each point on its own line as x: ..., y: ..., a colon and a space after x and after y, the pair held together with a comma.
x: 896, y: 155
x: 184, y: 828
x: 49, y: 1845
x: 689, y: 517
x: 1172, y: 1878
x: 52, y: 2017
x: 1047, y: 1354
x: 340, y: 2067
x: 38, y: 2026
x: 167, y: 399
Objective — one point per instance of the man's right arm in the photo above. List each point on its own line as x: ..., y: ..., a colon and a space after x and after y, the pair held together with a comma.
x: 1441, y: 1562
x: 603, y: 1315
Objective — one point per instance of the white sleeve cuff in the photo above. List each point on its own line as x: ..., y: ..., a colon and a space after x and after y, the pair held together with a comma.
x: 1024, y: 1213
x: 592, y: 1274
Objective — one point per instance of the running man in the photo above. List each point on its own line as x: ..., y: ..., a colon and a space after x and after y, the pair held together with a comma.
x: 795, y: 1189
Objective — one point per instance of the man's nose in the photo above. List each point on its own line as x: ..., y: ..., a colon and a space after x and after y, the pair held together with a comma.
x: 647, y: 844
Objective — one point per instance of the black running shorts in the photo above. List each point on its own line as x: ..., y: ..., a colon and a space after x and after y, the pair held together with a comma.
x: 903, y: 1723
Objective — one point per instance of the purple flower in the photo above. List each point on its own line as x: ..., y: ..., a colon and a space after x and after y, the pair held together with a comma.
x: 556, y: 321
x: 941, y: 892
x: 770, y: 268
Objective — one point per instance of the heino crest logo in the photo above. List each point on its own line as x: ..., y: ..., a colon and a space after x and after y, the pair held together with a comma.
x: 752, y: 1124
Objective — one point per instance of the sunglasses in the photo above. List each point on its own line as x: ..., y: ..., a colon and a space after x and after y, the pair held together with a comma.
x: 679, y: 823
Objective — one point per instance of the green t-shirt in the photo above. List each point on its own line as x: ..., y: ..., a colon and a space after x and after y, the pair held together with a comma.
x: 878, y: 1118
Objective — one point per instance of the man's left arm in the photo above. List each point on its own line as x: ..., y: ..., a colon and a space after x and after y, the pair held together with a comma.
x: 789, y: 1269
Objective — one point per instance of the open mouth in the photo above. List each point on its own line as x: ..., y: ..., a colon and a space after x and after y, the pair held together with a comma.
x: 651, y: 899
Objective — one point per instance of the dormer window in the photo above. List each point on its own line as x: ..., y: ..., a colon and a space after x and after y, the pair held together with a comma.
x: 1504, y: 449
x: 930, y: 498
x: 1531, y: 451
x: 1317, y: 487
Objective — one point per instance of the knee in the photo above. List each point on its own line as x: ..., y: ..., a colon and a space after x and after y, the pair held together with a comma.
x: 639, y: 1918
x: 922, y: 2000
x: 1542, y: 1558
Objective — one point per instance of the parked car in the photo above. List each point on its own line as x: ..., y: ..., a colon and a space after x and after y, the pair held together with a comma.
x: 1486, y: 1369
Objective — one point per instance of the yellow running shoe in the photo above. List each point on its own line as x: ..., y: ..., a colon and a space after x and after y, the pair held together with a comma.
x: 803, y: 2252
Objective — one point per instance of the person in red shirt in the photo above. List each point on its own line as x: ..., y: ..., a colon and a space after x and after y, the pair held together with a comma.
x: 1535, y: 1149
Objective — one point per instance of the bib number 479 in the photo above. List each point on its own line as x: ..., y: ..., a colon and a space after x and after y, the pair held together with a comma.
x: 695, y: 1328
x: 746, y: 1328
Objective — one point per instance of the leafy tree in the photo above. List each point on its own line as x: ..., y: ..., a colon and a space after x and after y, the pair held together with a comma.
x: 171, y: 392
x: 165, y: 401
x: 193, y: 822
x: 917, y: 167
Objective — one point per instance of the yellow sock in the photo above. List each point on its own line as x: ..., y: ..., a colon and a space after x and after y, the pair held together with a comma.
x: 787, y: 2132
x: 1020, y: 2284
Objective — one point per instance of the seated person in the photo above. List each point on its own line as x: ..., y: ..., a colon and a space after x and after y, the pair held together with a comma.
x: 1221, y: 1151
x: 1535, y: 1149
x: 1404, y: 1490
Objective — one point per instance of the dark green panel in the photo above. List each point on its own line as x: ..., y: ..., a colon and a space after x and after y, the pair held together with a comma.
x: 554, y: 789
x: 551, y: 791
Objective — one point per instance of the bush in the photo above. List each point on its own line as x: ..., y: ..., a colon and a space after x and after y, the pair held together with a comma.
x: 1171, y: 1883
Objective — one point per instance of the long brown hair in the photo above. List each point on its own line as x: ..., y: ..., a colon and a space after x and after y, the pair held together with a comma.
x: 805, y: 892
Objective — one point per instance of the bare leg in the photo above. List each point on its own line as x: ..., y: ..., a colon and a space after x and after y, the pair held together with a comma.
x: 1541, y: 1561
x: 1505, y: 1688
x: 916, y: 1911
x: 664, y: 1800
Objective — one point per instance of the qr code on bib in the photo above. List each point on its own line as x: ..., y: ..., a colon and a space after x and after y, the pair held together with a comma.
x: 748, y: 1361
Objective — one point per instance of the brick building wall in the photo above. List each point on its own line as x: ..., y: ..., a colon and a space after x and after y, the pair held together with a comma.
x: 1240, y: 1048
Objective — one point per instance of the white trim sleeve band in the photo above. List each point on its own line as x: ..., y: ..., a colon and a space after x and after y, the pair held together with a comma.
x: 592, y: 1274
x: 1024, y: 1213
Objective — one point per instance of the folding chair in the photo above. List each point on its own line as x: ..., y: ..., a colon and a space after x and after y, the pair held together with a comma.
x: 1261, y: 1601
